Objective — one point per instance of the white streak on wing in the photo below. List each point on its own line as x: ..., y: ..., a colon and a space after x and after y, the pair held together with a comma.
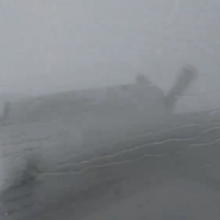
x: 55, y: 173
x: 94, y: 159
x: 204, y: 144
x: 101, y: 166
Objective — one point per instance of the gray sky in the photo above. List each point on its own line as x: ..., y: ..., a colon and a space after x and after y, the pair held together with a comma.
x: 54, y: 45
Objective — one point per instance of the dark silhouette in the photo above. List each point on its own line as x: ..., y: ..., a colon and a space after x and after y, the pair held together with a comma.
x: 6, y: 111
x: 141, y: 79
x: 187, y: 75
x: 152, y: 99
x: 135, y: 155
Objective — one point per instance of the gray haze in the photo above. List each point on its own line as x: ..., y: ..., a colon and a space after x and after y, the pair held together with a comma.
x: 116, y: 152
x: 51, y: 45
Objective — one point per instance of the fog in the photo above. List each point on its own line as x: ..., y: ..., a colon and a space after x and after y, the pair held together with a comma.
x: 114, y: 150
x: 51, y: 46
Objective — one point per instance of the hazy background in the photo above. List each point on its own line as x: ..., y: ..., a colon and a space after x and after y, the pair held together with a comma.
x: 50, y: 46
